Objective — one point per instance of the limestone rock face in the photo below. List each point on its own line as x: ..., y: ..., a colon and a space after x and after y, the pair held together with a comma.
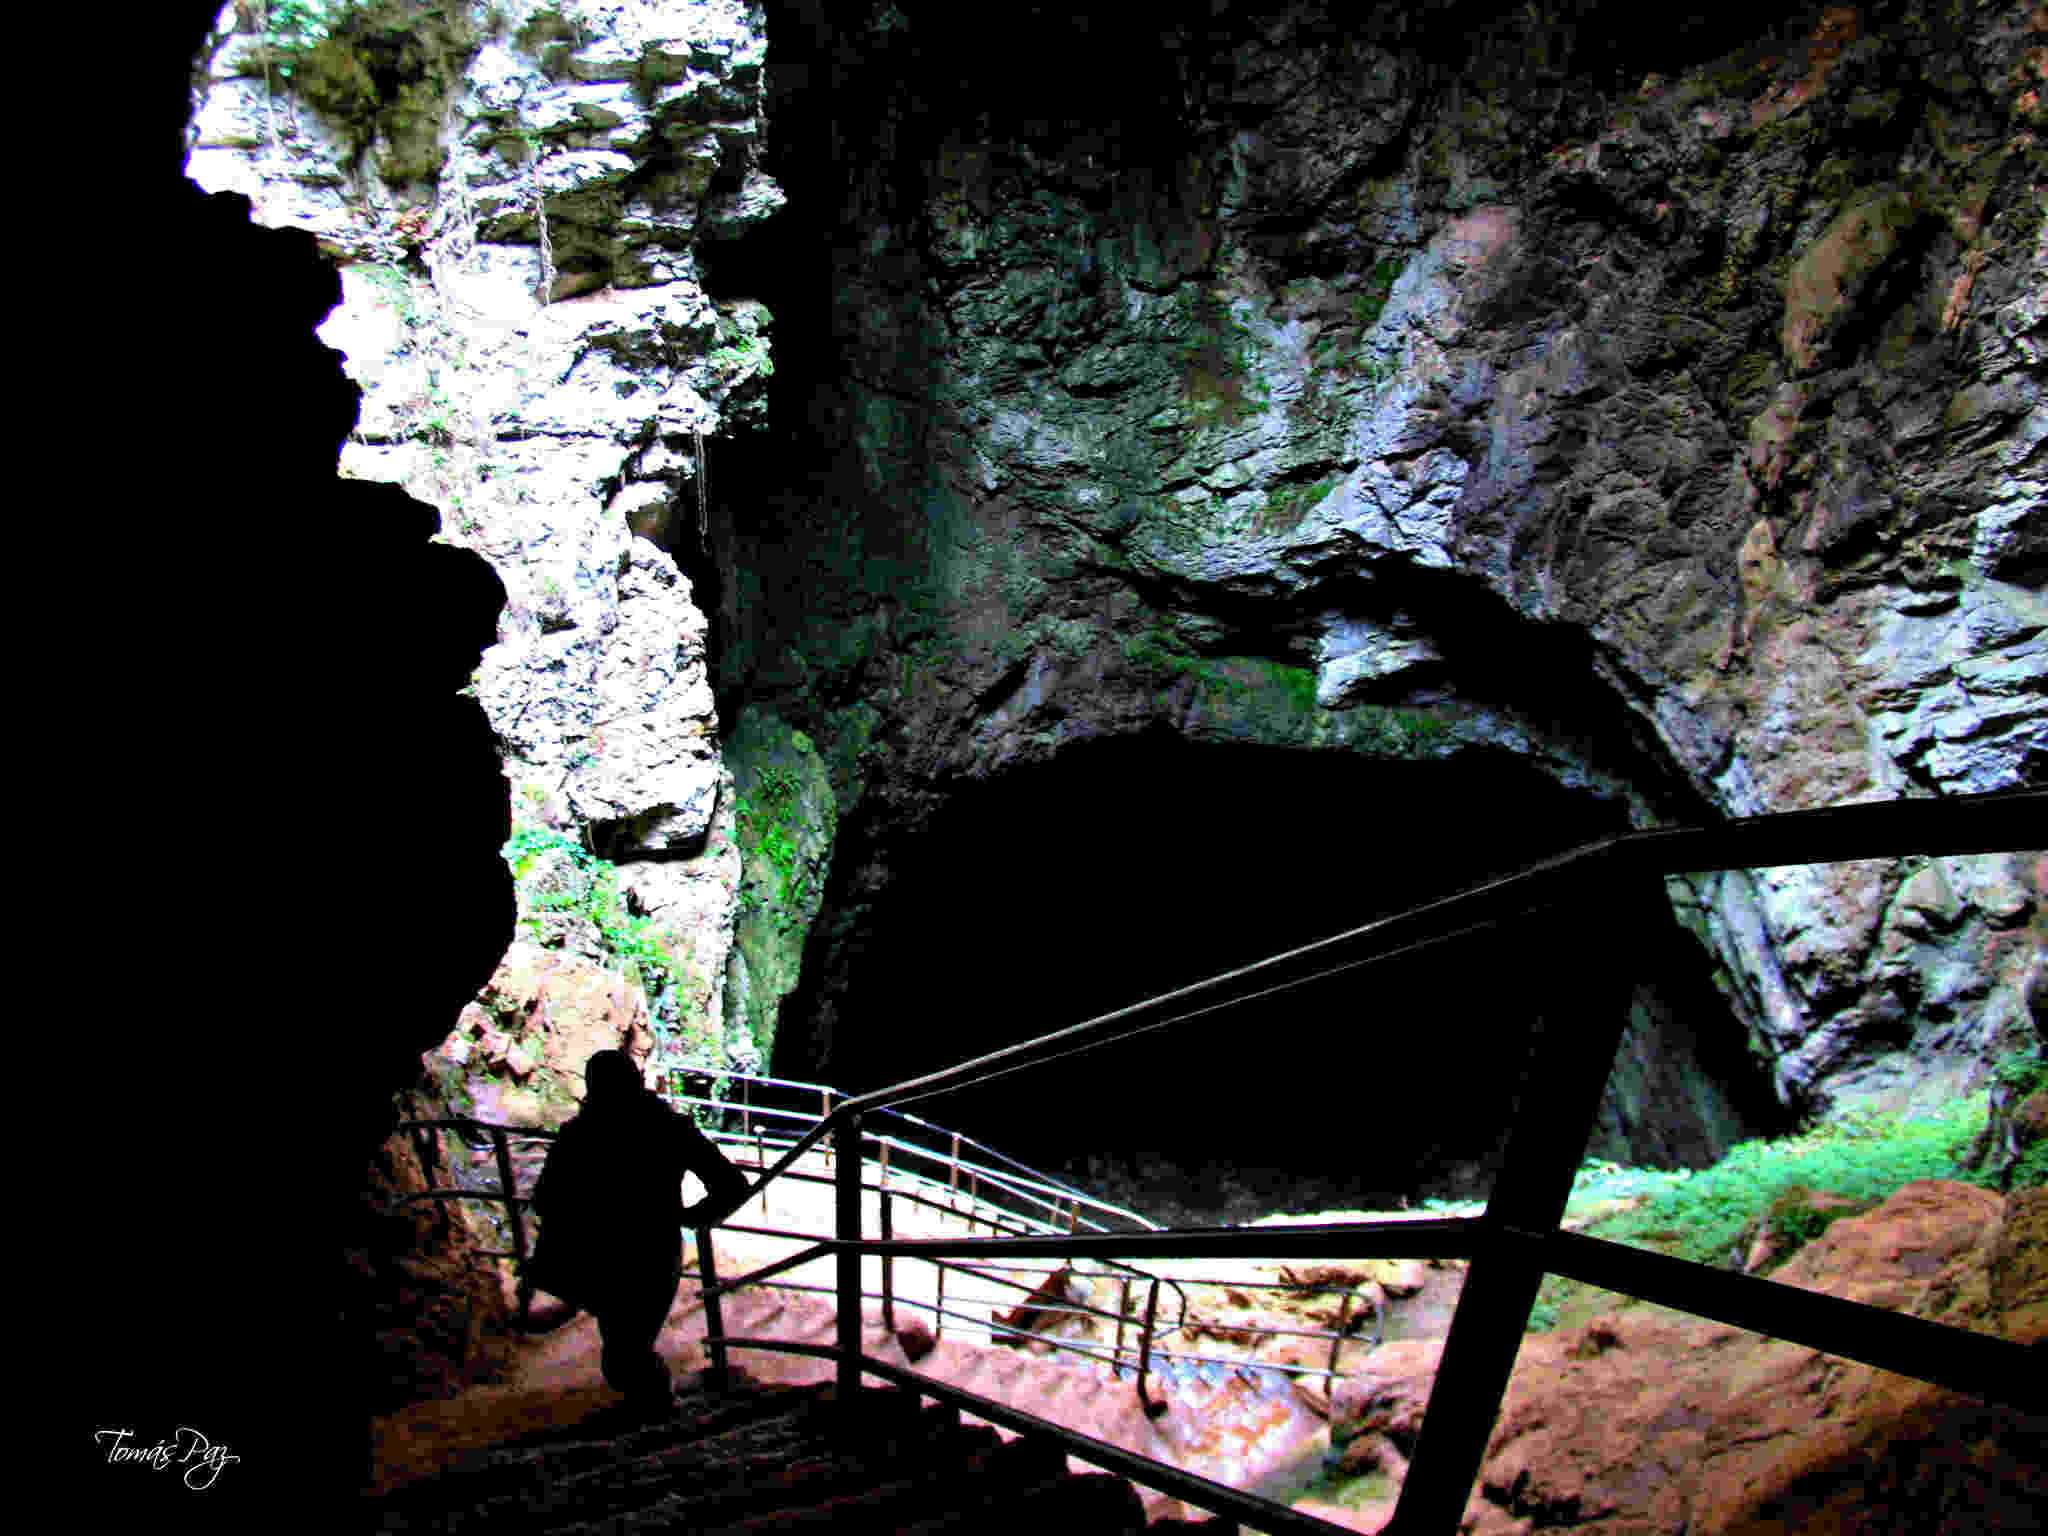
x: 517, y: 239
x: 1661, y: 410
x: 1411, y: 389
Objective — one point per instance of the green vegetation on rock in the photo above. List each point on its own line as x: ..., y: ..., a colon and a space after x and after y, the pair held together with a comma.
x: 380, y: 70
x: 1248, y: 695
x: 771, y: 820
x: 785, y: 815
x: 554, y: 875
x: 1217, y: 360
x: 1288, y: 505
x: 1370, y: 302
x: 1707, y: 1216
x: 1395, y: 732
x: 2022, y: 1072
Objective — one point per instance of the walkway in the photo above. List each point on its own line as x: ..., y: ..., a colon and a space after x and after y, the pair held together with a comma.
x: 1228, y: 1429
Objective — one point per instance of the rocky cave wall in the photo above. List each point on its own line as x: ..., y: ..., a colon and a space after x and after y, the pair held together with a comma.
x: 1659, y: 408
x: 1881, y: 426
x: 515, y: 198
x: 1655, y: 399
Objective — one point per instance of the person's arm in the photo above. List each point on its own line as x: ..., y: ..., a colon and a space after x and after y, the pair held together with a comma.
x: 539, y: 1203
x: 725, y: 1186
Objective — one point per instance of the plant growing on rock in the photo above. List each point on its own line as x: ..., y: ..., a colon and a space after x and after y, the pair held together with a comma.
x: 1395, y: 732
x: 1217, y: 360
x: 554, y: 874
x: 290, y: 27
x: 1370, y: 301
x: 744, y: 358
x: 380, y: 70
x: 770, y: 821
x: 1863, y: 1157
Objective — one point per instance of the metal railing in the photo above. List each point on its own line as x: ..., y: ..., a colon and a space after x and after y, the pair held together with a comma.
x: 1517, y: 1240
x: 1511, y: 1246
x: 985, y: 1179
x: 972, y: 1194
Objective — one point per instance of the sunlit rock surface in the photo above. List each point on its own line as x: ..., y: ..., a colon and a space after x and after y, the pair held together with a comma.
x: 538, y: 360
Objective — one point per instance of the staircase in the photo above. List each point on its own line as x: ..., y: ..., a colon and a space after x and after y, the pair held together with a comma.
x: 772, y: 1459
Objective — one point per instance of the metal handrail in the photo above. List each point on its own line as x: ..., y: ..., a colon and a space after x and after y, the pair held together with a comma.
x: 1145, y: 1351
x: 1516, y: 1241
x: 1025, y: 1180
x: 980, y: 1209
x: 1026, y: 1188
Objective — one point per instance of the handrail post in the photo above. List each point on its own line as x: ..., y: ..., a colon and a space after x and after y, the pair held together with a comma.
x: 1336, y: 1344
x: 1123, y: 1307
x: 714, y: 1314
x: 846, y: 1190
x: 888, y: 1260
x: 511, y: 1193
x: 503, y: 1149
x: 1577, y: 1030
x: 939, y: 1311
x: 1152, y: 1409
x: 761, y: 1166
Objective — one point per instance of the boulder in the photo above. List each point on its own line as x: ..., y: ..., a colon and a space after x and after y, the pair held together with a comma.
x: 516, y: 1054
x: 1650, y: 1420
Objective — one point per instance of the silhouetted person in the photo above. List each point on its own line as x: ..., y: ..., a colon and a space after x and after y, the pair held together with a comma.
x: 611, y: 1209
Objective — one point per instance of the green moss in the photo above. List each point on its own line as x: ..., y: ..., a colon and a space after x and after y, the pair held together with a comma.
x: 1370, y: 302
x: 744, y: 358
x: 378, y: 69
x: 1703, y: 1216
x: 1394, y: 732
x: 1217, y: 362
x: 1269, y: 699
x: 1288, y: 506
x: 1153, y: 651
x: 1295, y: 685
x: 2023, y: 1073
x: 785, y: 815
x: 556, y: 876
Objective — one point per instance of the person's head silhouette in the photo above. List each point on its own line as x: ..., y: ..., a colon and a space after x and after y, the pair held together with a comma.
x: 610, y: 1076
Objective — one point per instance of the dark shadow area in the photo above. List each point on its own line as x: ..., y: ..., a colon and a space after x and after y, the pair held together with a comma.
x: 306, y: 885
x: 1132, y: 867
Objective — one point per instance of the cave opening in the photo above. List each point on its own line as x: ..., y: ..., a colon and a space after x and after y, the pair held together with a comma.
x: 1130, y: 867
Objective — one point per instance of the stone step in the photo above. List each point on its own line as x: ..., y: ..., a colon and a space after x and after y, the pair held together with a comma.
x: 762, y: 1460
x: 948, y: 1479
x: 708, y: 1429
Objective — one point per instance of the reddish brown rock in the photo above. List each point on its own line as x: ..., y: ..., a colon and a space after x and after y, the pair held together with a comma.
x: 421, y: 1308
x: 1649, y: 1421
x: 517, y: 1053
x: 2030, y: 1120
x: 917, y: 1341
